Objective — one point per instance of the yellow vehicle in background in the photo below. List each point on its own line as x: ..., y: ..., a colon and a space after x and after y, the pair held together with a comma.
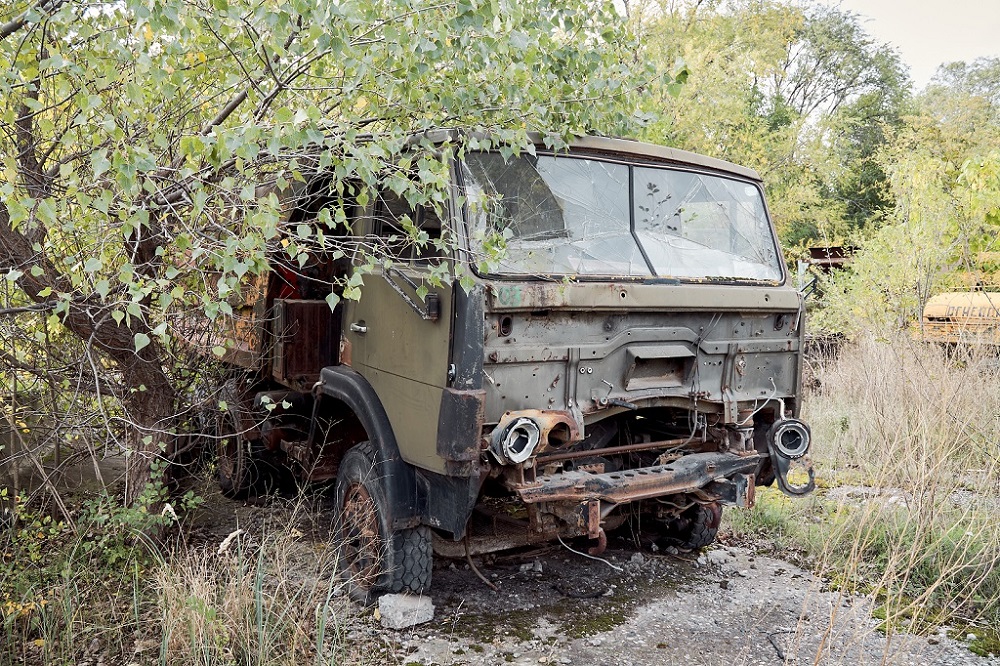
x: 962, y: 317
x: 970, y: 312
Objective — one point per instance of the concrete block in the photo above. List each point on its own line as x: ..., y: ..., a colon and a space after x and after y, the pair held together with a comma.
x: 399, y: 611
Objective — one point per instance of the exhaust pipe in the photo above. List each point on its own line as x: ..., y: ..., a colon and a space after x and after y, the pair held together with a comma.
x: 790, y: 438
x: 516, y: 442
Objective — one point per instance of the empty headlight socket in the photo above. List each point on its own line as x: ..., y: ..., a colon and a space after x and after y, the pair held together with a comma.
x: 505, y: 326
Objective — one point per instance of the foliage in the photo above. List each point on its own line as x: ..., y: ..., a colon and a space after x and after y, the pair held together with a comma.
x: 145, y: 145
x: 798, y: 92
x: 943, y: 173
x: 60, y: 583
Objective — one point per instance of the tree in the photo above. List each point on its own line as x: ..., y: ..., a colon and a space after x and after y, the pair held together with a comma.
x: 143, y: 142
x: 798, y: 92
x: 942, y: 172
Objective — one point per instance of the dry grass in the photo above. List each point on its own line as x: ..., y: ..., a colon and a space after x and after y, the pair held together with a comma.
x: 269, y: 596
x: 907, y: 445
x: 277, y: 602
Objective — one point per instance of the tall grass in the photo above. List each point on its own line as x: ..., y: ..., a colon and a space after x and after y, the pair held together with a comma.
x: 266, y: 598
x: 275, y: 602
x: 907, y: 445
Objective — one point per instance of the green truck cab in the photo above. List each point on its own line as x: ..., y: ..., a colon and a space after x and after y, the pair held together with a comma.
x: 633, y: 350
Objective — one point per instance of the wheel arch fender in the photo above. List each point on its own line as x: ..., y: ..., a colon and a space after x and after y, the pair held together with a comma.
x: 349, y: 387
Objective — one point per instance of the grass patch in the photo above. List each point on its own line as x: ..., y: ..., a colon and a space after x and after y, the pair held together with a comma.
x: 104, y: 591
x: 908, y: 508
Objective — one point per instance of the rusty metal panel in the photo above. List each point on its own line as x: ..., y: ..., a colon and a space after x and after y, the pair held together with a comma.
x: 686, y: 474
x: 460, y: 424
x: 306, y: 339
x: 600, y: 363
x: 616, y: 296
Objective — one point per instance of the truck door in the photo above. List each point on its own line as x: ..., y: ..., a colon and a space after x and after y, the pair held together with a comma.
x: 399, y: 341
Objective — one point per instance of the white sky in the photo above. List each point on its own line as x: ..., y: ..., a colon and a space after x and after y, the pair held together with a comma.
x: 928, y: 33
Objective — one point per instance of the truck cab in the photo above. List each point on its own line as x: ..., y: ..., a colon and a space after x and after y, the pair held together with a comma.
x: 625, y: 344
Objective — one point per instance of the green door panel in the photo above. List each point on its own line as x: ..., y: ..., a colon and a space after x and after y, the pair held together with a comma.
x: 404, y: 356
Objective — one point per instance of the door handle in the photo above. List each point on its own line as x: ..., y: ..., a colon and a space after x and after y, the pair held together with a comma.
x: 359, y: 327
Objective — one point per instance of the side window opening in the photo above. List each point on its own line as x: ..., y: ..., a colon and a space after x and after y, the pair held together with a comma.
x: 429, y: 222
x: 394, y: 223
x: 317, y: 206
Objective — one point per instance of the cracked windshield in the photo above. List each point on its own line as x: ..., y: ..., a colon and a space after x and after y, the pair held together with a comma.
x: 565, y: 216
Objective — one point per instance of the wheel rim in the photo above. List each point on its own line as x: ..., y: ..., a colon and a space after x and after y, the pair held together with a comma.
x: 362, y: 544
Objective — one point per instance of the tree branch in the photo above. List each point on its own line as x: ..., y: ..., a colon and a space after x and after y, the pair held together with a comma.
x: 13, y: 26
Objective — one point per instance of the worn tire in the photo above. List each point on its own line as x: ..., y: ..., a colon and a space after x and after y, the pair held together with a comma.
x: 241, y: 468
x: 374, y: 558
x: 233, y: 459
x: 696, y: 528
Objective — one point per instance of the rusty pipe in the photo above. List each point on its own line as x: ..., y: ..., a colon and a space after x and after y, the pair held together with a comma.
x: 610, y: 450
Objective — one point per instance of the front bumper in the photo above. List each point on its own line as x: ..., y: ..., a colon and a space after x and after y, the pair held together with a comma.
x: 726, y: 475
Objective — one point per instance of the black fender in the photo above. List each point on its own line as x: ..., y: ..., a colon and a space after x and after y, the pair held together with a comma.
x: 346, y: 385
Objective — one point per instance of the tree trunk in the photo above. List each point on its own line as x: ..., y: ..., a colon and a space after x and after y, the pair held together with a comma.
x: 150, y: 408
x: 147, y: 394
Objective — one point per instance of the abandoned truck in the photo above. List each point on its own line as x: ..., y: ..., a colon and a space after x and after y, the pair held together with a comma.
x: 634, y: 354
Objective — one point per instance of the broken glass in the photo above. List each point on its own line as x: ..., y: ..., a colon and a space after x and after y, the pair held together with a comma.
x: 573, y: 216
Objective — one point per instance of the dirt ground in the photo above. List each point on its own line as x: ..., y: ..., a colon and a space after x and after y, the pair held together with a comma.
x: 725, y: 606
x: 728, y: 605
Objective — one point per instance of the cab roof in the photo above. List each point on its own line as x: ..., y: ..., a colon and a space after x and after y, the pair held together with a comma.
x: 638, y: 149
x: 621, y: 148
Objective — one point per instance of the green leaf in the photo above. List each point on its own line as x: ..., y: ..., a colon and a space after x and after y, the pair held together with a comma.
x: 332, y: 300
x: 141, y: 341
x: 99, y: 163
x: 47, y: 211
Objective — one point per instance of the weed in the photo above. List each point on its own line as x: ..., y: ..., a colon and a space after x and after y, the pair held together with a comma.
x: 267, y: 600
x: 61, y: 588
x: 919, y: 529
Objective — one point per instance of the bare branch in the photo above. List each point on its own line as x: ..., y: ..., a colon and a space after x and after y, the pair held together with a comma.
x: 13, y: 26
x: 37, y: 307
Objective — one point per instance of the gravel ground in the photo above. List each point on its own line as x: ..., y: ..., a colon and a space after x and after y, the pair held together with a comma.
x: 727, y: 606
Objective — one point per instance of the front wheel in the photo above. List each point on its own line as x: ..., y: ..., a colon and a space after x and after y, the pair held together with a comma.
x: 695, y: 528
x: 374, y: 558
